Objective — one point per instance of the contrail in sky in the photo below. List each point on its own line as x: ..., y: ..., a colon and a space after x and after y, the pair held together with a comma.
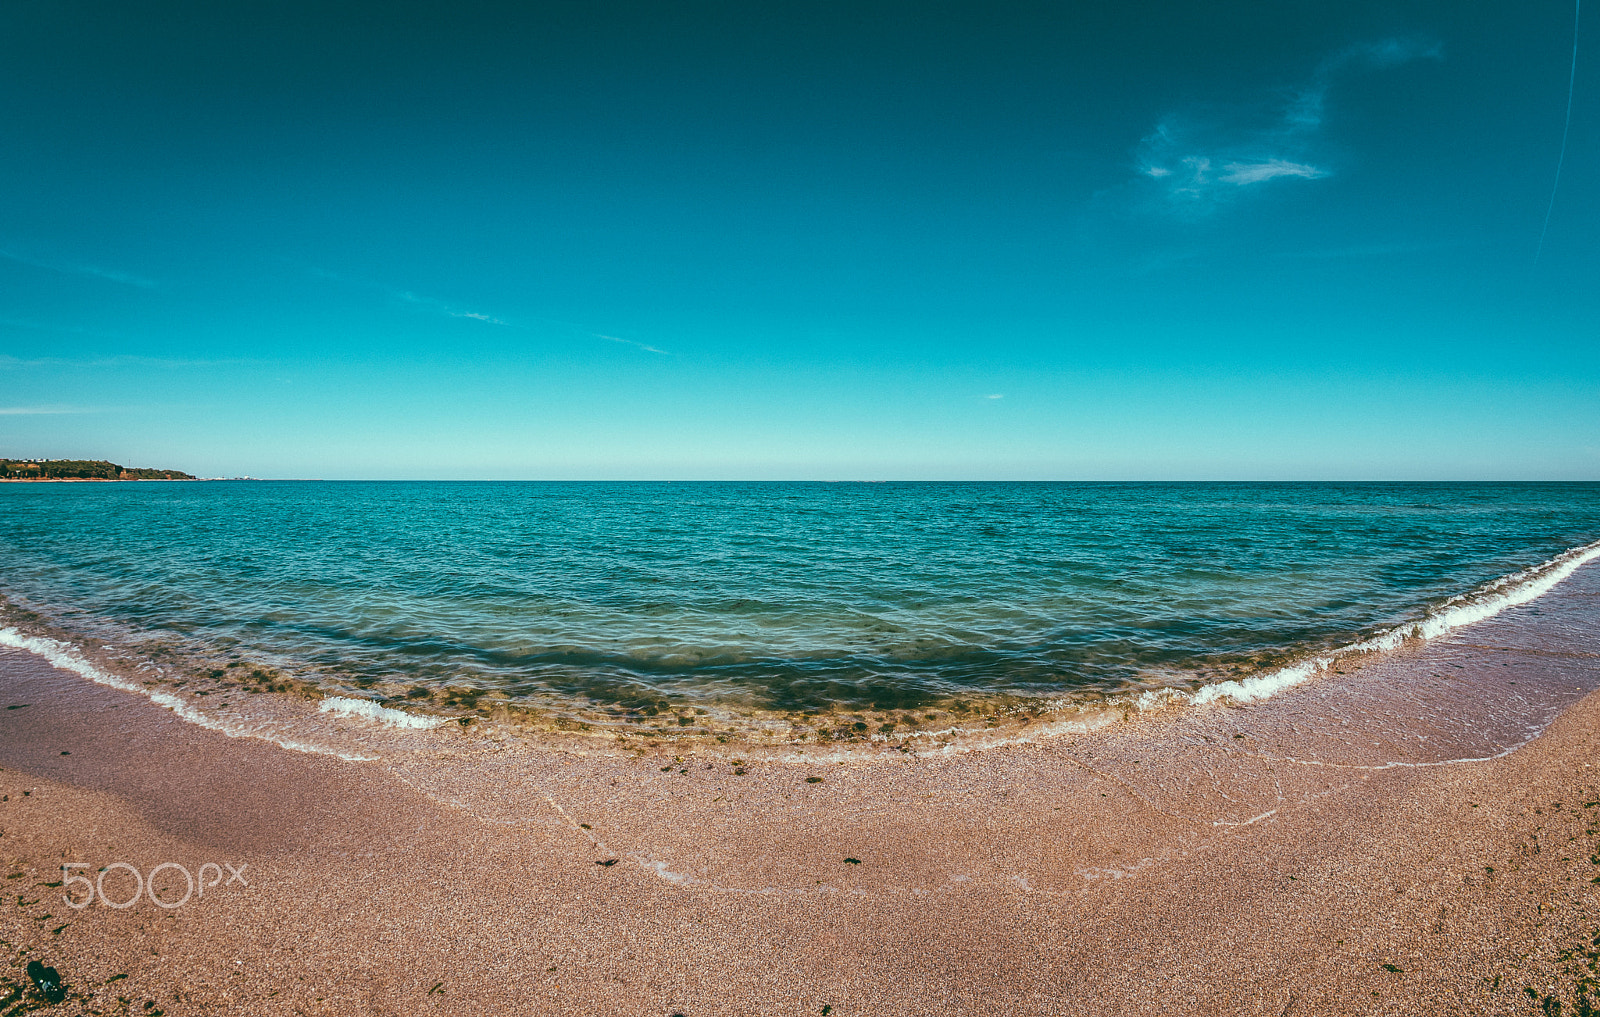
x: 1572, y: 78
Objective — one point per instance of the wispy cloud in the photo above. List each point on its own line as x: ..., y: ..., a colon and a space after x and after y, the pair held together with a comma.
x: 630, y: 342
x: 405, y: 296
x: 1198, y: 161
x: 35, y: 411
x: 448, y: 310
x: 75, y: 268
x: 995, y: 396
x: 1242, y: 173
x: 454, y: 311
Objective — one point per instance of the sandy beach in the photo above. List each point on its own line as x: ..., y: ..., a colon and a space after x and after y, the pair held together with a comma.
x: 799, y: 509
x: 1419, y: 835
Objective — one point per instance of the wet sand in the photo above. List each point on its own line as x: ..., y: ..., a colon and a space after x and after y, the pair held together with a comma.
x: 1372, y: 843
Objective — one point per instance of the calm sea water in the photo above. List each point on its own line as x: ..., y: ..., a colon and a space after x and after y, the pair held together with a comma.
x: 784, y: 595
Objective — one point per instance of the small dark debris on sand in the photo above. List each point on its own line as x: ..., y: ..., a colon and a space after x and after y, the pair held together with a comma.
x: 47, y: 981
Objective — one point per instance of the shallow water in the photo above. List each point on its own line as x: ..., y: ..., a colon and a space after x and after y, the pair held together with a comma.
x: 767, y: 595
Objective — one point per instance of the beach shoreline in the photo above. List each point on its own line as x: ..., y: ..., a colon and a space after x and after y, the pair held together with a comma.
x: 183, y: 678
x: 1413, y: 839
x: 788, y: 611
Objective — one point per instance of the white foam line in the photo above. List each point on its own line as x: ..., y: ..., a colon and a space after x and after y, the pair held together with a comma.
x: 1034, y: 735
x: 1126, y: 872
x: 61, y: 655
x: 660, y: 871
x: 343, y: 706
x: 1248, y: 690
x: 1395, y: 765
x: 1467, y: 609
x: 654, y: 867
x: 1252, y: 821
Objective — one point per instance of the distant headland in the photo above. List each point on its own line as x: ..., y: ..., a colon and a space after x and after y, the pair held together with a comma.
x: 80, y: 469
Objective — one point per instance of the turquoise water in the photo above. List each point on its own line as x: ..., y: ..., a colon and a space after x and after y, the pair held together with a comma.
x: 766, y: 595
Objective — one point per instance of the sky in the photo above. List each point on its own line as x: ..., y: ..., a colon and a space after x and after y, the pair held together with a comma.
x: 818, y: 240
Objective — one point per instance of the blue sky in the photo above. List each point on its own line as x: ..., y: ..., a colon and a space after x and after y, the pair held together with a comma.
x: 819, y: 240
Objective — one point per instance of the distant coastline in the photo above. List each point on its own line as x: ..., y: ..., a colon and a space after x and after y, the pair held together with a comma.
x: 88, y: 480
x: 79, y: 470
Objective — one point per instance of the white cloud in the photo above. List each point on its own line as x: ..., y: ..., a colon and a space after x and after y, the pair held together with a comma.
x: 432, y: 304
x: 34, y: 411
x: 630, y: 342
x: 404, y: 296
x: 1242, y: 173
x: 1199, y: 161
x: 475, y: 316
x: 441, y: 307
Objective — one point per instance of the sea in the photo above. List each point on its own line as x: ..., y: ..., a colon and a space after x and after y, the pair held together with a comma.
x: 636, y: 601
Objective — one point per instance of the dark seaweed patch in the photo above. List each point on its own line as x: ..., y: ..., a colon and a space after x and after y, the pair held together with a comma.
x: 47, y: 981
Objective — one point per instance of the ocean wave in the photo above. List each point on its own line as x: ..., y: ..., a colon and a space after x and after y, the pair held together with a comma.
x: 622, y: 599
x: 1459, y: 611
x: 343, y: 706
x: 1477, y: 605
x: 67, y: 658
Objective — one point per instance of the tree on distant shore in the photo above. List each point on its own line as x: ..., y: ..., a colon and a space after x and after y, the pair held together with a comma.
x: 82, y: 469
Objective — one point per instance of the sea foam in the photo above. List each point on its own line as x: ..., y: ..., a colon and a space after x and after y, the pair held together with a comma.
x: 1465, y: 609
x: 780, y: 597
x: 343, y: 706
x: 65, y: 657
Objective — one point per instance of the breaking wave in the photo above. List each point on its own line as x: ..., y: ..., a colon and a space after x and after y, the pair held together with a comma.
x: 1477, y: 605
